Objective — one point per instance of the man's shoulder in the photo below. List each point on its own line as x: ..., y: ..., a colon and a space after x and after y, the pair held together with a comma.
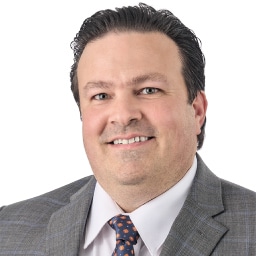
x: 238, y: 197
x: 23, y: 225
x: 207, y: 182
x: 222, y: 198
x: 44, y: 204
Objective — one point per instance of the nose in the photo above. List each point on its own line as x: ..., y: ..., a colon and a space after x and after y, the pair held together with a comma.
x: 125, y: 111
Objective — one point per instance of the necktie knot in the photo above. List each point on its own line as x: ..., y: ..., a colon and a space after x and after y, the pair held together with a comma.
x: 126, y: 234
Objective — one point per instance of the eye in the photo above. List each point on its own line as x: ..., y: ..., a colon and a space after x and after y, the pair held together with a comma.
x: 149, y: 90
x: 101, y: 96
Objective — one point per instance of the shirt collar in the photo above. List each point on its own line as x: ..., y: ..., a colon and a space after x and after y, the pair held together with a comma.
x: 103, y: 209
x: 170, y: 203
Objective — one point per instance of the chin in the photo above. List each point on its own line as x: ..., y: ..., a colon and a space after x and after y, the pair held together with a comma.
x: 128, y: 179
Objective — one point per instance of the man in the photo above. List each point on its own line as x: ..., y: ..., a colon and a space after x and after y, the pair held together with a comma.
x: 138, y: 80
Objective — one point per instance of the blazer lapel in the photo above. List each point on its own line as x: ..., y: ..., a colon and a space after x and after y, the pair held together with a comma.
x: 195, y: 232
x: 66, y: 227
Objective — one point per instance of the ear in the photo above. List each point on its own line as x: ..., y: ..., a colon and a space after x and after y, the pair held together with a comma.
x: 200, y: 106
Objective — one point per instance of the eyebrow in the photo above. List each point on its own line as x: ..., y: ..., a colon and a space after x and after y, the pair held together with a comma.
x: 155, y: 77
x: 97, y: 84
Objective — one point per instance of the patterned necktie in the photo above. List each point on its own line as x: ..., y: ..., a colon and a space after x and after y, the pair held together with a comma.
x: 126, y: 235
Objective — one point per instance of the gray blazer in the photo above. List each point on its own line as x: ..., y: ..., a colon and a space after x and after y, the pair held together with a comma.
x: 218, y: 218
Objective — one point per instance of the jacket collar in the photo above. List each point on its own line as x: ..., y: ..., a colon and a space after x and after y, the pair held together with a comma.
x: 66, y: 227
x: 195, y: 232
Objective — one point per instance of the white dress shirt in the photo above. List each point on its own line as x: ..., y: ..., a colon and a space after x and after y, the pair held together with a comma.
x: 153, y: 220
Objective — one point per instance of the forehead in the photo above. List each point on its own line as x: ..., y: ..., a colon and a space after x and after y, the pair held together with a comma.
x: 131, y: 41
x: 123, y: 54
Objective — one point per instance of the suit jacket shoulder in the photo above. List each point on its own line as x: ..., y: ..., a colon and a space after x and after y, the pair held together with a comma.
x: 217, y: 218
x: 23, y: 225
x: 239, y: 217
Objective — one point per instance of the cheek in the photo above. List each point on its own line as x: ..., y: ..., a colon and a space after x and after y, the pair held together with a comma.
x: 92, y: 124
x: 174, y: 120
x: 164, y: 116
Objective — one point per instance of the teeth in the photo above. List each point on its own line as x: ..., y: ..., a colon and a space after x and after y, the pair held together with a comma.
x: 130, y: 141
x: 143, y: 138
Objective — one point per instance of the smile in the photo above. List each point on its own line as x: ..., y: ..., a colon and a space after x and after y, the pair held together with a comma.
x: 132, y: 140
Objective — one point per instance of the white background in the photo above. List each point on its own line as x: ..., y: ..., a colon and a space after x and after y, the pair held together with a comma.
x: 40, y: 130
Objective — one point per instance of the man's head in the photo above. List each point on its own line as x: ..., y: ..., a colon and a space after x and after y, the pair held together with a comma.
x: 144, y: 18
x: 140, y: 120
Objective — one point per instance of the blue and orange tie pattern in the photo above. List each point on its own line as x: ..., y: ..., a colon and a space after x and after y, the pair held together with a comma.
x: 126, y: 235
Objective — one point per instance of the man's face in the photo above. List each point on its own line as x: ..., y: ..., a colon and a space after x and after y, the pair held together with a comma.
x: 138, y: 127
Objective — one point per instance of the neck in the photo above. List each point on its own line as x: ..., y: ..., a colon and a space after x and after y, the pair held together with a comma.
x: 130, y: 202
x: 131, y: 197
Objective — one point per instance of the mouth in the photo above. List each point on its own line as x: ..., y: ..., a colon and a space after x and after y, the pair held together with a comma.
x: 136, y: 139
